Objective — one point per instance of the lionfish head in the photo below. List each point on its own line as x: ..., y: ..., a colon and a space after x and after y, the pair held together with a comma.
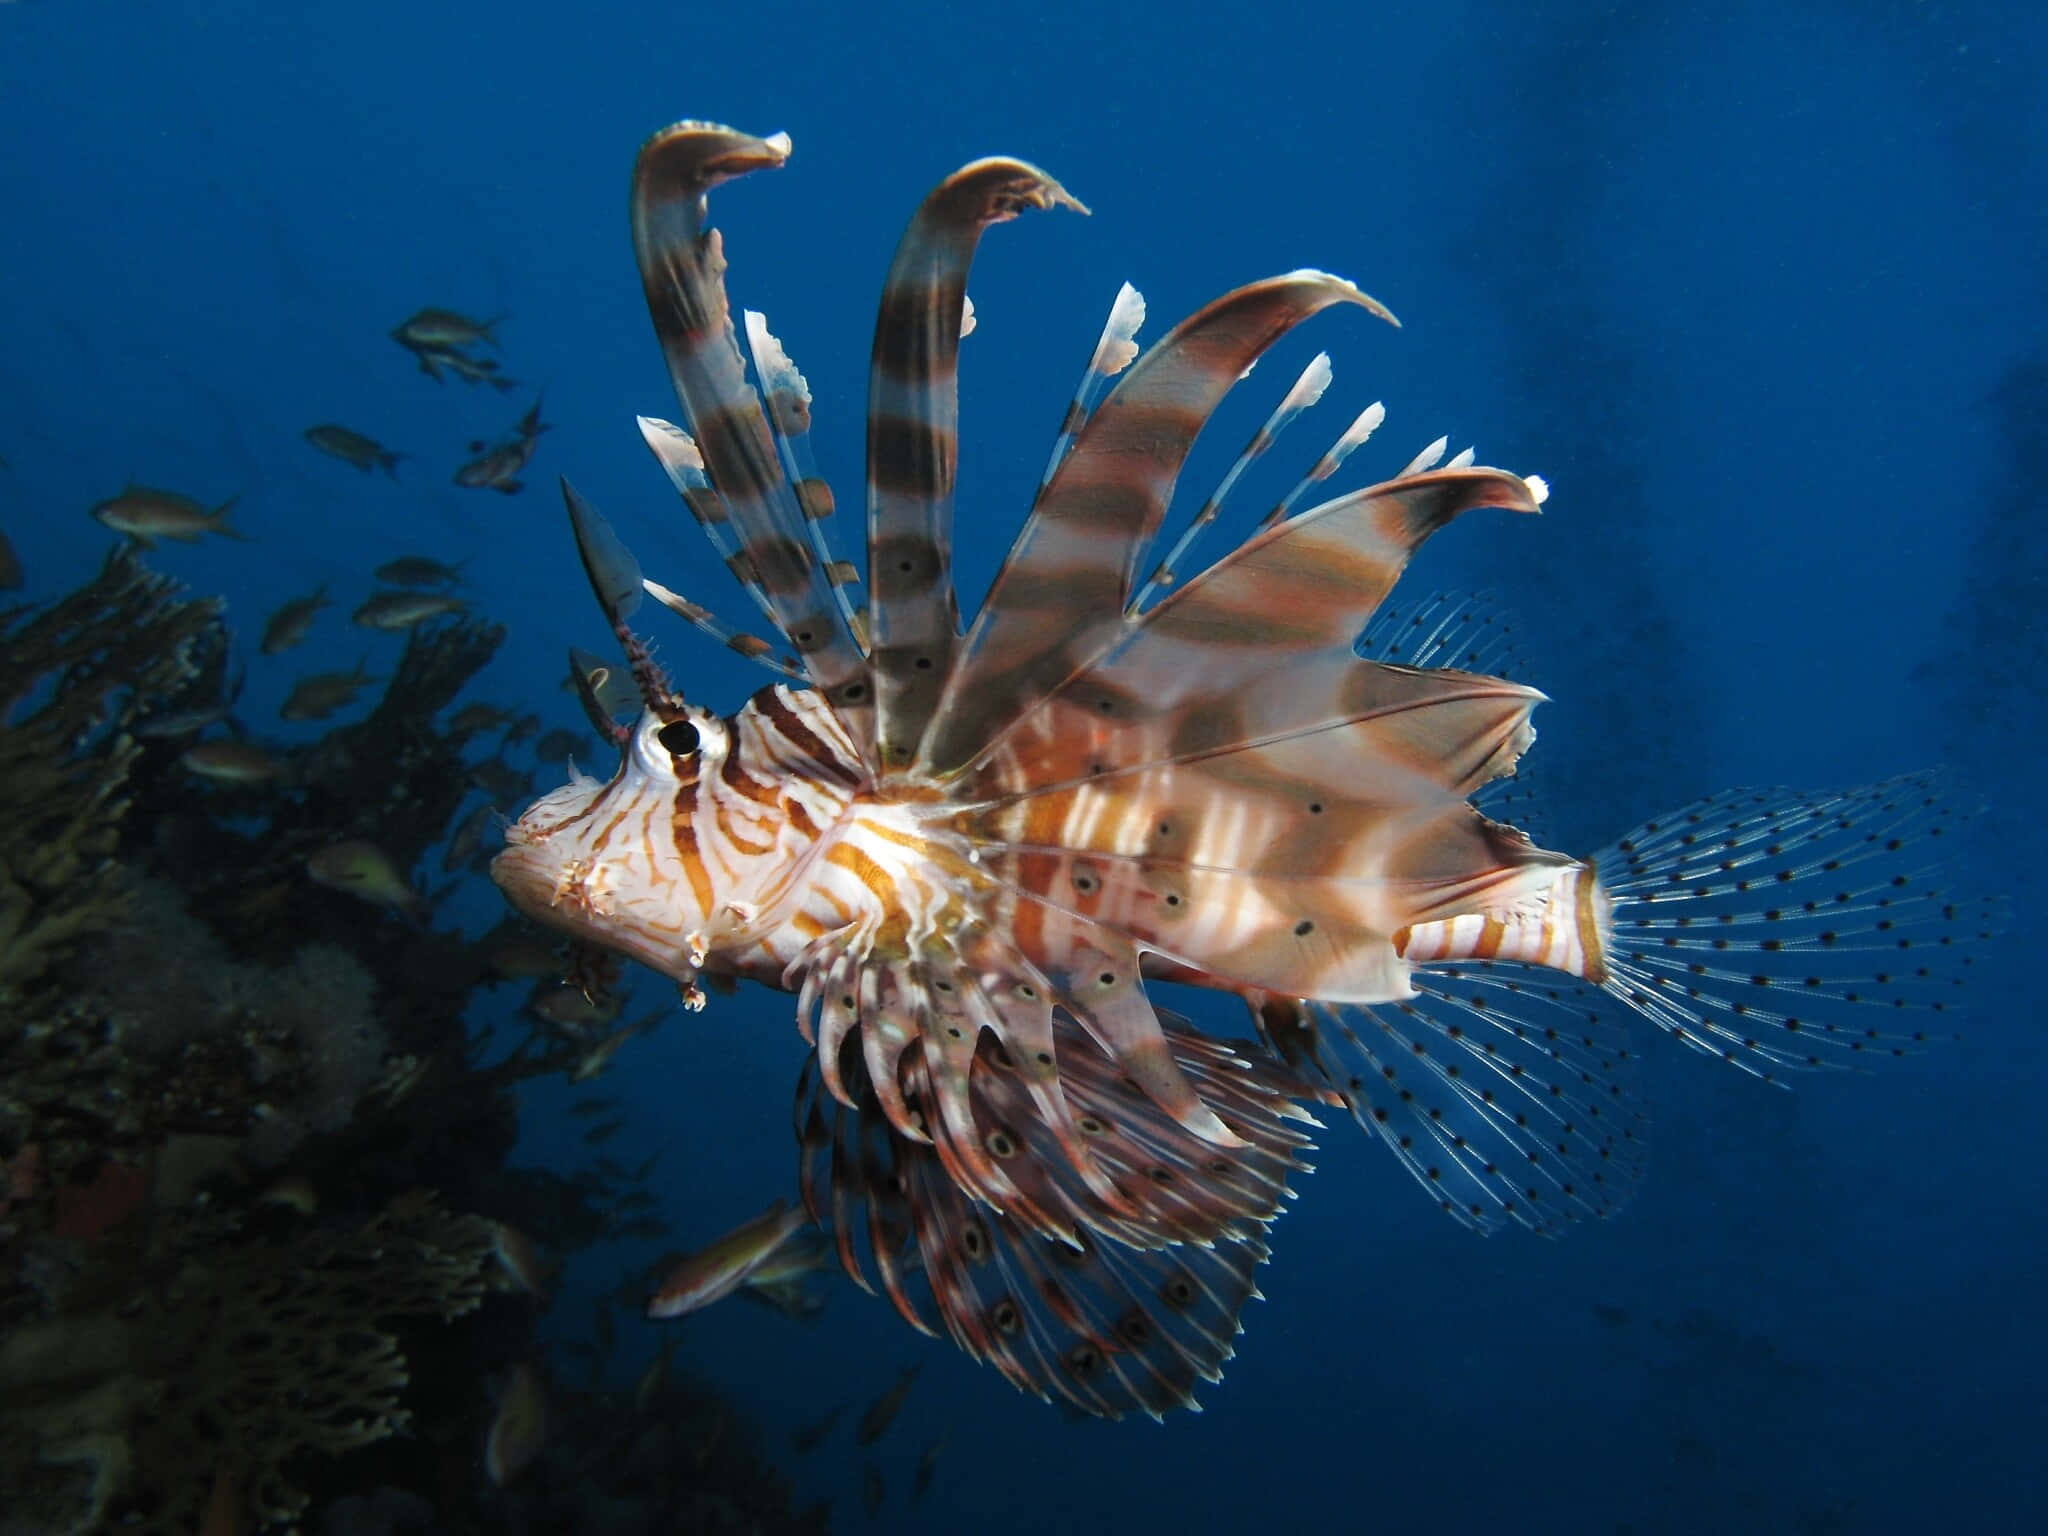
x: 614, y: 862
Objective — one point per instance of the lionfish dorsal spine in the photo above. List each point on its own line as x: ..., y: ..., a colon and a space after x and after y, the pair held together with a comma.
x: 1305, y: 392
x: 1363, y: 425
x: 789, y: 419
x: 682, y: 271
x: 1084, y: 538
x: 1115, y: 350
x: 912, y: 440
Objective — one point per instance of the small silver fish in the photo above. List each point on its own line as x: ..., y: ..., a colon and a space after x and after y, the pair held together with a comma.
x: 231, y: 762
x: 721, y: 1267
x: 190, y: 722
x: 437, y: 330
x: 147, y: 514
x: 805, y: 1438
x: 364, y: 870
x: 497, y: 468
x: 883, y: 1410
x: 477, y: 716
x: 467, y: 840
x: 522, y: 1263
x: 792, y: 1298
x: 520, y: 1427
x: 402, y: 610
x: 927, y: 1463
x: 471, y: 370
x: 320, y: 694
x: 288, y: 625
x: 568, y: 1005
x: 417, y: 571
x: 366, y: 453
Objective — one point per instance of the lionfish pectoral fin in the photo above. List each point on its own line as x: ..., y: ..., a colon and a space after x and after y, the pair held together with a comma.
x: 1113, y: 1316
x: 913, y: 421
x: 1783, y: 930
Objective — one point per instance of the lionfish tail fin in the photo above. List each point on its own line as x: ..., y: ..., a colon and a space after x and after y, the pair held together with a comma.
x: 1781, y: 930
x: 1108, y: 1312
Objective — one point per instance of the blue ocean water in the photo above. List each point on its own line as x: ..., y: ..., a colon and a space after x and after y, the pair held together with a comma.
x: 1757, y: 288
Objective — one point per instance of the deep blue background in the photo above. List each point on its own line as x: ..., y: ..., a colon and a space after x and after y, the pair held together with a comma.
x: 1757, y: 287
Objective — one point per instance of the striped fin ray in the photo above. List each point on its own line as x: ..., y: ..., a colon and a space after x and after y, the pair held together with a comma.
x: 1107, y: 1327
x: 789, y: 418
x: 1465, y: 631
x: 1468, y: 633
x: 1781, y: 930
x: 913, y: 447
x: 1057, y: 603
x: 1184, y: 681
x: 1363, y: 425
x: 678, y: 455
x: 753, y: 647
x: 1509, y: 1094
x: 1114, y: 351
x: 682, y: 271
x: 1306, y: 391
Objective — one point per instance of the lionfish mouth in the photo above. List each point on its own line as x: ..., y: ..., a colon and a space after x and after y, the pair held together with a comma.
x: 550, y: 873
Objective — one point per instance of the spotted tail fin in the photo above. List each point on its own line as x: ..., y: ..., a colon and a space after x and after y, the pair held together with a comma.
x: 1781, y: 930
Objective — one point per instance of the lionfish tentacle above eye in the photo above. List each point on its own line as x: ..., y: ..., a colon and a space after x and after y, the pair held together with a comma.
x: 615, y: 581
x: 1058, y: 600
x: 913, y: 447
x: 601, y: 721
x: 682, y: 270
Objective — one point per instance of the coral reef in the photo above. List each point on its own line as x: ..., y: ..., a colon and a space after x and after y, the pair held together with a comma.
x: 72, y: 676
x: 225, y: 1301
x: 252, y: 1353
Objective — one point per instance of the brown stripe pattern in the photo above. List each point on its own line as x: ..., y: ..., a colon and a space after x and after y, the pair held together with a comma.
x: 913, y: 445
x: 682, y: 270
x: 1057, y: 603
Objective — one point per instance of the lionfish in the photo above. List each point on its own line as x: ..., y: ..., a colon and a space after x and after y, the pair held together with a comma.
x: 970, y: 852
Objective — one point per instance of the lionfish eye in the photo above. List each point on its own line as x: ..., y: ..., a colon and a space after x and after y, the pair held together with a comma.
x: 679, y: 737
